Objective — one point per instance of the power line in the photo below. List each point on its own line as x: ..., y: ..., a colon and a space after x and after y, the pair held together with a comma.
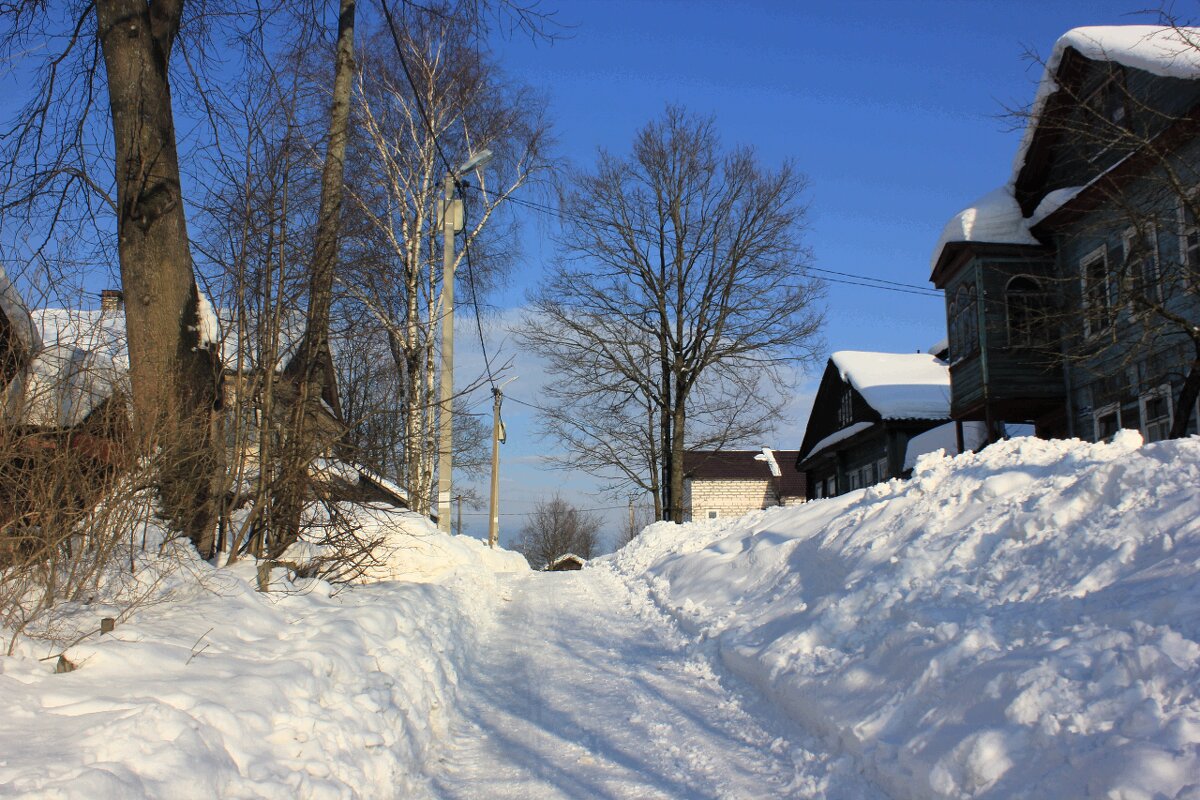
x: 487, y: 362
x: 437, y: 143
x: 858, y: 280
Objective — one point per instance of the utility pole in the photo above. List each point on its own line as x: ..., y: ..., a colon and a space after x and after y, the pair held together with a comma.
x: 631, y: 530
x: 459, y: 498
x: 452, y: 223
x: 446, y: 398
x: 497, y: 438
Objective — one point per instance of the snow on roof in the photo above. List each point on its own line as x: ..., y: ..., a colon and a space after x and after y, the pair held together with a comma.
x: 837, y: 436
x: 1163, y: 51
x: 898, y: 385
x: 994, y: 218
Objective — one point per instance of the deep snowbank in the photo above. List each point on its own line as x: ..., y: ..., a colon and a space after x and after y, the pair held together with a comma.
x: 212, y: 689
x: 1021, y: 622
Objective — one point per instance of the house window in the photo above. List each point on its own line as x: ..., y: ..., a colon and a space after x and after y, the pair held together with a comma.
x: 867, y: 475
x: 817, y: 490
x: 1026, y: 308
x: 881, y: 470
x: 1107, y: 103
x: 712, y: 515
x: 1141, y: 266
x: 854, y: 480
x: 1107, y: 421
x: 1189, y: 231
x: 831, y: 486
x: 1155, y: 406
x: 846, y: 409
x: 1097, y: 302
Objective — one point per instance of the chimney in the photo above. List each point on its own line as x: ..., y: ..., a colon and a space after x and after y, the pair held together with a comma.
x: 111, y: 300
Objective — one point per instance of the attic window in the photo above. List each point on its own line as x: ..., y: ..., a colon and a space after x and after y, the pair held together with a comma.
x: 1107, y: 114
x: 846, y: 408
x: 1107, y: 102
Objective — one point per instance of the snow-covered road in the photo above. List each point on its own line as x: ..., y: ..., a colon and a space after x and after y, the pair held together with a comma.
x: 583, y: 689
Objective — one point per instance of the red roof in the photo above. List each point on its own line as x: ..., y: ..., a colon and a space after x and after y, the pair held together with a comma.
x: 743, y: 465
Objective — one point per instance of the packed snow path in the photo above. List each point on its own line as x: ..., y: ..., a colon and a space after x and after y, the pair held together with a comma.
x: 583, y: 689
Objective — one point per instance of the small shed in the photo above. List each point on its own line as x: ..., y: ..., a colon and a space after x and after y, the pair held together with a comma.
x: 565, y: 562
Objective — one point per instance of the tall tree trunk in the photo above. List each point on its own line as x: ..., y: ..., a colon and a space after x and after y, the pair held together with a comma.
x: 312, y: 368
x: 678, y: 424
x: 1187, y: 396
x: 176, y: 381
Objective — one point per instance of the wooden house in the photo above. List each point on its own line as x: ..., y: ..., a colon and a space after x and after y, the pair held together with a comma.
x: 1073, y: 292
x: 873, y: 415
x: 729, y: 483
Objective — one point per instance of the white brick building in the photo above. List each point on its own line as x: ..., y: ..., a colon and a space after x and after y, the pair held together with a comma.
x: 729, y: 483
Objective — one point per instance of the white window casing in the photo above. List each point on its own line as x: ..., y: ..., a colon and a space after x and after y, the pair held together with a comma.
x: 1156, y: 413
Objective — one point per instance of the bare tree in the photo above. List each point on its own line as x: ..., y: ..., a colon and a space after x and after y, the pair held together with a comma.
x: 681, y: 296
x: 556, y: 528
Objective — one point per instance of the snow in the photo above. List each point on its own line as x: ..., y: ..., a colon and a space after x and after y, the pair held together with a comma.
x: 768, y: 455
x: 1052, y: 202
x: 1163, y: 51
x: 587, y: 690
x: 1019, y: 622
x: 838, y: 436
x: 898, y: 385
x: 212, y: 689
x: 994, y: 218
x: 944, y: 438
x: 81, y: 362
x: 209, y: 332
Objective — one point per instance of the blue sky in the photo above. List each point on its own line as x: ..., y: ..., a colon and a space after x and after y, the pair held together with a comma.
x: 894, y: 109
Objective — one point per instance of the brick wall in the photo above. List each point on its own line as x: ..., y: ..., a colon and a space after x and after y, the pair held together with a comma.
x: 728, y: 498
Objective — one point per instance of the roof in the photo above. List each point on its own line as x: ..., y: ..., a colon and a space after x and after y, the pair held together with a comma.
x: 563, y: 560
x: 1159, y: 50
x: 994, y: 218
x: 747, y: 465
x: 997, y: 218
x: 898, y: 385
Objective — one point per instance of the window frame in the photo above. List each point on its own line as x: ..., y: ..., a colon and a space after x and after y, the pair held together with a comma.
x: 1129, y: 235
x: 1099, y: 254
x: 1187, y: 229
x: 1109, y: 408
x: 1163, y: 390
x: 1036, y: 301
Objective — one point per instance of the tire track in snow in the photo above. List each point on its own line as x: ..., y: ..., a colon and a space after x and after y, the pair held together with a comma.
x: 583, y: 689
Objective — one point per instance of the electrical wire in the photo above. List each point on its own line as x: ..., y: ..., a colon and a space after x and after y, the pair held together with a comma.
x: 858, y: 280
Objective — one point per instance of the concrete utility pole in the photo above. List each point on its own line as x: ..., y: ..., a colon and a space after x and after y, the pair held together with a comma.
x: 497, y: 438
x: 458, y: 528
x: 452, y: 223
x: 446, y: 398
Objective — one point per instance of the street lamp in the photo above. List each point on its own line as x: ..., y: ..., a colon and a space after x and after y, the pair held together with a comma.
x: 452, y: 223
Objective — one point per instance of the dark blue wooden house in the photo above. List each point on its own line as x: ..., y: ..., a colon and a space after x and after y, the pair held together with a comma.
x: 1073, y: 292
